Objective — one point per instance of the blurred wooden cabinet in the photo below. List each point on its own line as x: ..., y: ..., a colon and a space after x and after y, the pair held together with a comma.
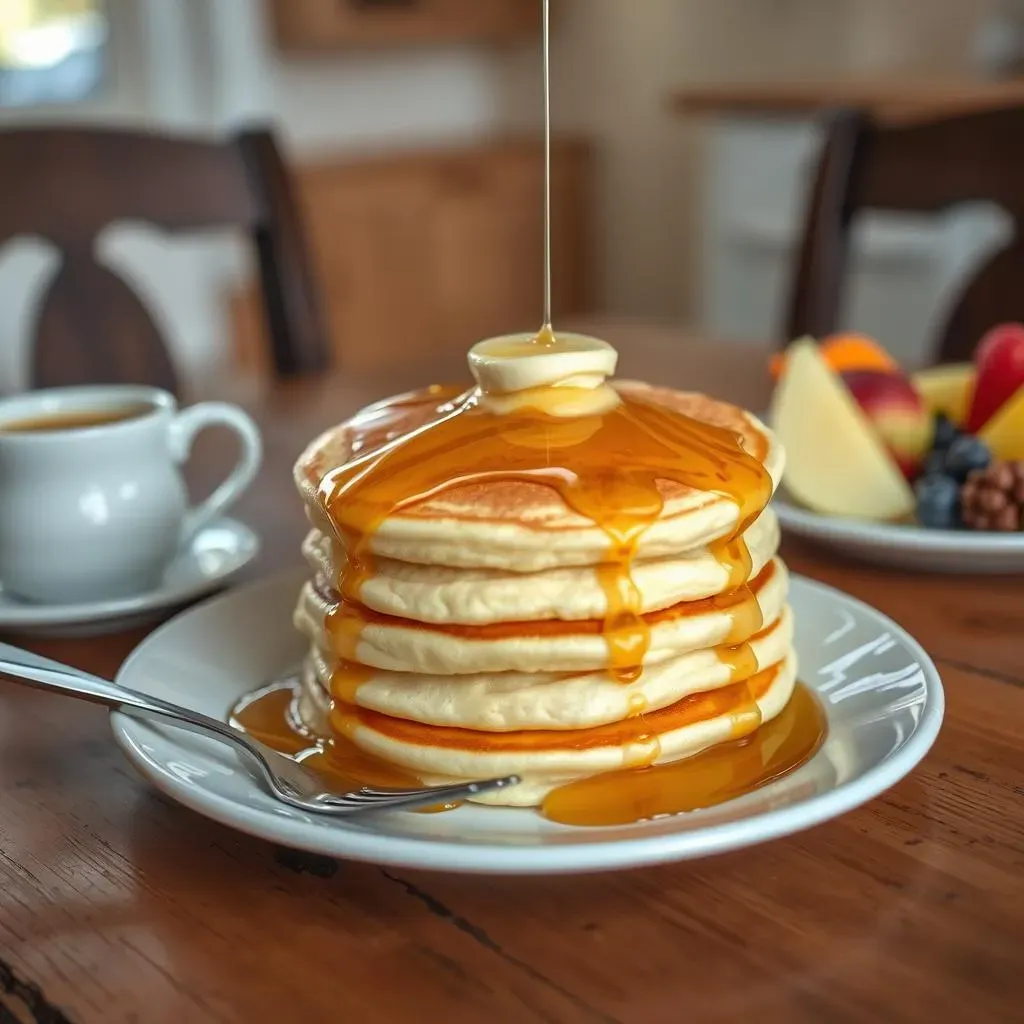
x: 433, y: 251
x: 333, y: 24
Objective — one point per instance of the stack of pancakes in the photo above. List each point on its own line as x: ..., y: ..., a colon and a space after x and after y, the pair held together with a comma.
x: 474, y: 646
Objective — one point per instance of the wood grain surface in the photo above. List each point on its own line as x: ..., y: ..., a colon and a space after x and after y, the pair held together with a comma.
x: 118, y: 905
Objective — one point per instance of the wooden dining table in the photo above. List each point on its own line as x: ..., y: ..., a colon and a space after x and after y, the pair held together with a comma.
x: 116, y: 904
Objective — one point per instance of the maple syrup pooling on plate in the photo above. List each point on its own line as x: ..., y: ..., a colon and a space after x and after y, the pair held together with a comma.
x: 751, y: 760
x: 755, y: 757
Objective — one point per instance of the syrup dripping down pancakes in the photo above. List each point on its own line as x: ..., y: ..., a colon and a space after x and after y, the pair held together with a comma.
x: 557, y: 587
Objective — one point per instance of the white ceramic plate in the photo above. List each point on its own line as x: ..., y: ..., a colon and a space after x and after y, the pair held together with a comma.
x: 881, y: 693
x: 905, y: 547
x: 215, y: 554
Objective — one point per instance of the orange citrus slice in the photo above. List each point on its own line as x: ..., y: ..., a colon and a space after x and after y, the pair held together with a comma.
x: 846, y: 353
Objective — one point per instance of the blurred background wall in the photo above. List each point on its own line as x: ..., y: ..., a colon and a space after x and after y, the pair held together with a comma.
x: 691, y: 219
x: 618, y: 62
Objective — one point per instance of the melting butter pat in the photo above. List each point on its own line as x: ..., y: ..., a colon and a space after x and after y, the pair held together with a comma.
x: 563, y: 375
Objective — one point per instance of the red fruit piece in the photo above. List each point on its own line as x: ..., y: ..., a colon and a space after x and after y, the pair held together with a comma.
x: 1000, y: 372
x: 898, y: 414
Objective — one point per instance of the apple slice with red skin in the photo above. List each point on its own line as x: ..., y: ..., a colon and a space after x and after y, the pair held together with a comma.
x: 898, y: 414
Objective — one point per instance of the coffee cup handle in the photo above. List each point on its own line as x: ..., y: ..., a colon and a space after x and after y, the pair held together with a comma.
x: 184, y: 428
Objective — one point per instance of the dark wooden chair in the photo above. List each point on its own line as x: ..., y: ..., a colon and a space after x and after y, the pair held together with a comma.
x: 66, y: 185
x: 922, y: 168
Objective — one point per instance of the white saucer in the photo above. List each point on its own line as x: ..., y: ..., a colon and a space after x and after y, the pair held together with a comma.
x: 906, y: 547
x: 881, y: 693
x: 215, y: 554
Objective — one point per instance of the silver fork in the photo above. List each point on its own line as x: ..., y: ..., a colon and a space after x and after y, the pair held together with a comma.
x: 288, y: 780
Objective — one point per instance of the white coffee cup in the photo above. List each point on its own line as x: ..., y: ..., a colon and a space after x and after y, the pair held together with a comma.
x: 98, y: 511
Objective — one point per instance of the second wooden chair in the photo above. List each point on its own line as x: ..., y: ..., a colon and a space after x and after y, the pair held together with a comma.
x: 921, y: 168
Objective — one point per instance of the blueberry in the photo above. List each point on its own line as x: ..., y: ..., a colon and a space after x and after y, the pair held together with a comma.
x: 935, y: 463
x: 946, y: 432
x: 938, y: 502
x: 966, y: 453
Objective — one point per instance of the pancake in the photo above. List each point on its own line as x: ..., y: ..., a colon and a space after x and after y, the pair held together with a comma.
x: 518, y: 525
x: 509, y: 571
x: 503, y: 702
x: 545, y: 760
x: 401, y: 646
x: 444, y: 595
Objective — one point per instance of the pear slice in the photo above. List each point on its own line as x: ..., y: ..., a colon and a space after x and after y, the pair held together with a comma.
x: 835, y: 462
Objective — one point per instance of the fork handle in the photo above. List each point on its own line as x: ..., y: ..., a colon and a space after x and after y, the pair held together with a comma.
x: 44, y: 674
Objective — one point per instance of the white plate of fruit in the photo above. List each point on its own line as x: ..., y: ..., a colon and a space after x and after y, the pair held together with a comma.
x: 922, y: 471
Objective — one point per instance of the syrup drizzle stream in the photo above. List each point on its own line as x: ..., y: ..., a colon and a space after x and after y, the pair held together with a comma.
x: 547, y: 331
